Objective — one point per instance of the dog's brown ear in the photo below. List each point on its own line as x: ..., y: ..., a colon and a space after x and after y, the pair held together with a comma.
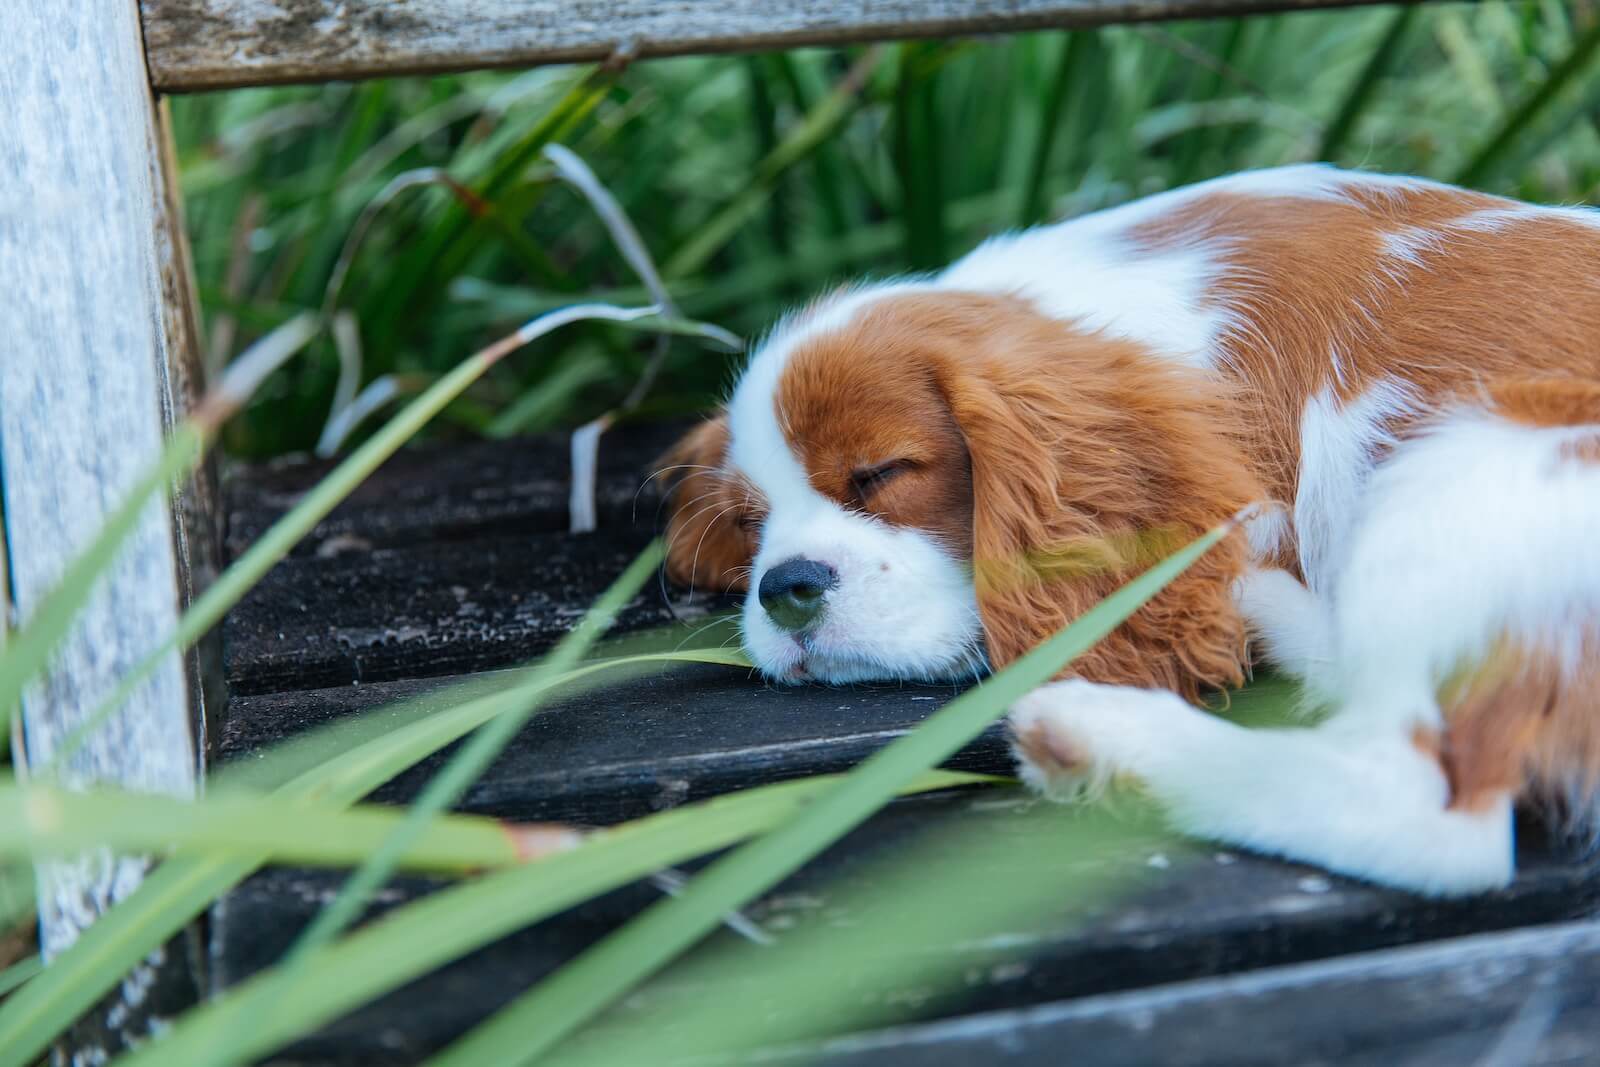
x: 1091, y: 460
x: 708, y: 545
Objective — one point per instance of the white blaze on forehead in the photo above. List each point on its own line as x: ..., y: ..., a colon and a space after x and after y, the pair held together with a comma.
x: 758, y: 446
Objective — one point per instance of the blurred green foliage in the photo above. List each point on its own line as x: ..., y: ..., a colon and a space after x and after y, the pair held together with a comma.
x: 757, y: 180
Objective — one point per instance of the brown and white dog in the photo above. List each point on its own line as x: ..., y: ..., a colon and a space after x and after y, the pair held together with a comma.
x: 922, y: 478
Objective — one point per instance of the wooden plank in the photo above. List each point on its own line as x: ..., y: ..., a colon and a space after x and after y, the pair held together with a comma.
x: 427, y: 609
x: 197, y: 503
x: 653, y: 741
x: 87, y: 255
x: 454, y: 492
x: 1188, y: 916
x: 449, y: 560
x: 661, y: 739
x: 1516, y: 999
x: 214, y: 44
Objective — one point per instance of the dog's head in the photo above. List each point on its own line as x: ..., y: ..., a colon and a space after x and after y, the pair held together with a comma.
x: 914, y: 484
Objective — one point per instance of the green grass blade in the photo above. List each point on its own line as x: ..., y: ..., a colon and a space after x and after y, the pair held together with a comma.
x: 468, y: 764
x: 1361, y: 90
x: 541, y: 1018
x: 818, y: 125
x: 1067, y: 61
x: 1487, y: 160
x: 411, y: 941
x: 445, y: 249
x: 41, y: 820
x: 182, y: 887
x: 241, y: 576
x: 14, y: 976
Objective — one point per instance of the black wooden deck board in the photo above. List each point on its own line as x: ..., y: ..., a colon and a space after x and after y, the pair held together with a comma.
x: 637, y: 746
x: 695, y: 731
x: 435, y: 492
x: 1198, y: 913
x: 446, y: 561
x: 1530, y: 997
x: 447, y: 608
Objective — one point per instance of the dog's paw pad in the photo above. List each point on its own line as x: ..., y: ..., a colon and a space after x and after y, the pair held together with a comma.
x: 1050, y: 757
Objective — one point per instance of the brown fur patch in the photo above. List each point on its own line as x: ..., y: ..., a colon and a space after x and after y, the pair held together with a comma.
x: 1522, y: 718
x: 1310, y: 279
x: 710, y: 537
x: 1088, y: 459
x: 858, y: 399
x: 1548, y: 401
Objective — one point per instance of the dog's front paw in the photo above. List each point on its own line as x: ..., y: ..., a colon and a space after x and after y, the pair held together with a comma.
x: 1054, y: 755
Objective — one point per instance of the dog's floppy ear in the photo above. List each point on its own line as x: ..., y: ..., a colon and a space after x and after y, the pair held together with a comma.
x: 707, y: 547
x: 1091, y: 460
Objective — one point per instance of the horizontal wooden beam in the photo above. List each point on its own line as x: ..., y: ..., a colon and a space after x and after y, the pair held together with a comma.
x: 221, y: 44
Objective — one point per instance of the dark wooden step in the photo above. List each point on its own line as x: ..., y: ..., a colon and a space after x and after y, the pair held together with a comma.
x: 435, y: 492
x: 449, y: 560
x: 642, y: 745
x: 662, y: 739
x: 1525, y: 998
x: 1194, y: 913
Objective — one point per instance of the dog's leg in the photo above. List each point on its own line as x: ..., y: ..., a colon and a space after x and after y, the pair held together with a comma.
x: 1290, y: 623
x: 1476, y: 535
x: 1373, y: 804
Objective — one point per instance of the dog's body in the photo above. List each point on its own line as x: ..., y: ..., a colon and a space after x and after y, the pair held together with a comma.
x: 927, y: 476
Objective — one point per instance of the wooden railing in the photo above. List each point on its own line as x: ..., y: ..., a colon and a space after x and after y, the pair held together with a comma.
x: 215, y: 44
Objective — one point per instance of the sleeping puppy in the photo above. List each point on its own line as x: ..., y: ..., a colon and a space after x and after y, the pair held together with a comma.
x: 923, y: 478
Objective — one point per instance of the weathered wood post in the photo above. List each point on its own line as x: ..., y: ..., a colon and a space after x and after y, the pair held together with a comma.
x: 97, y: 355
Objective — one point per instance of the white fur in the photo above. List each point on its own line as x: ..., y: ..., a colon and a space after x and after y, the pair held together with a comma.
x: 1354, y: 801
x: 1337, y: 446
x: 1413, y: 244
x: 1422, y: 579
x: 1498, y: 219
x: 1475, y: 529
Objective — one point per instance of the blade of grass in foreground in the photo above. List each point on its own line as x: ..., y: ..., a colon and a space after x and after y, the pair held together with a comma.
x: 466, y: 766
x: 274, y: 1007
x: 41, y: 820
x: 242, y: 575
x: 541, y: 1018
x: 14, y: 976
x: 184, y: 885
x: 28, y: 647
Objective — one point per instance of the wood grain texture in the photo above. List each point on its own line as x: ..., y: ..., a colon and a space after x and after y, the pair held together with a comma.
x: 1528, y: 997
x: 1185, y: 918
x: 85, y: 378
x: 197, y: 503
x: 214, y: 44
x: 448, y: 560
x: 669, y: 737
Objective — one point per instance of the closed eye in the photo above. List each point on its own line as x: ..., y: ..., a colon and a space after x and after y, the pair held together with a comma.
x: 868, y: 480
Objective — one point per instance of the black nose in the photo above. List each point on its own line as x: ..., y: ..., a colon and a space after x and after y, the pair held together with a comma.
x: 792, y: 592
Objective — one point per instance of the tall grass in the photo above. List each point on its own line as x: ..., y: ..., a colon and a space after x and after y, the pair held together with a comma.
x: 758, y: 180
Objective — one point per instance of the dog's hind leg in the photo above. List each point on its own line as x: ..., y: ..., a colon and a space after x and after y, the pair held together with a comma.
x: 1369, y: 805
x: 1471, y: 574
